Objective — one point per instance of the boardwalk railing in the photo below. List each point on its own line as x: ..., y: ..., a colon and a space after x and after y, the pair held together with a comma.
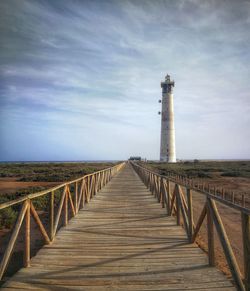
x: 179, y: 204
x: 71, y: 198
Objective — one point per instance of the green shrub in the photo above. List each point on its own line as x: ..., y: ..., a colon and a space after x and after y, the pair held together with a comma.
x: 231, y: 174
x: 8, y: 217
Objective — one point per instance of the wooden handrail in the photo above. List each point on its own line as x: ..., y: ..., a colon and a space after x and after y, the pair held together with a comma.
x: 84, y: 189
x: 44, y: 192
x: 177, y: 205
x: 202, y: 190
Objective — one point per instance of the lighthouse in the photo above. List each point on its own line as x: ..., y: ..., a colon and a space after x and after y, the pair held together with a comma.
x: 167, y: 150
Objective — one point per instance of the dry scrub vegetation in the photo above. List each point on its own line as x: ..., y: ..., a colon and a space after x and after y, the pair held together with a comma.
x: 230, y: 175
x: 20, y: 179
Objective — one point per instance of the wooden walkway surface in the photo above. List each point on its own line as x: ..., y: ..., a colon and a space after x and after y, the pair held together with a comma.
x: 122, y: 240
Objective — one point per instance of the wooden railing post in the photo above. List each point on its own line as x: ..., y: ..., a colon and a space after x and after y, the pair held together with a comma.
x: 83, y: 190
x: 93, y: 186
x: 90, y: 187
x: 168, y: 197
x: 87, y: 185
x: 76, y: 196
x: 210, y: 237
x: 66, y: 207
x: 9, y: 249
x: 177, y: 203
x: 190, y: 214
x: 96, y: 183
x: 51, y: 215
x: 27, y: 236
x: 226, y: 245
x: 162, y: 194
x: 245, y: 221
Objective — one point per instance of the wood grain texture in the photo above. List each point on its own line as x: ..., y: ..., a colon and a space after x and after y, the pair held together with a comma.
x: 122, y: 240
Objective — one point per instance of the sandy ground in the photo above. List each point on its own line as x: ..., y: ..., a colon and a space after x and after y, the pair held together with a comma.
x: 11, y: 185
x: 236, y: 185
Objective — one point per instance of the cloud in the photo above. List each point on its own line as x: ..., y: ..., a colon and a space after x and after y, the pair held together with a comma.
x: 94, y: 68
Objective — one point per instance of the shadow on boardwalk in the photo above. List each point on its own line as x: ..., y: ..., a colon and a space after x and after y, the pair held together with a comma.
x: 122, y: 240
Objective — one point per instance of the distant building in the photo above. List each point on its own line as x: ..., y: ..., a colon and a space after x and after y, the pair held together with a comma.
x: 135, y: 158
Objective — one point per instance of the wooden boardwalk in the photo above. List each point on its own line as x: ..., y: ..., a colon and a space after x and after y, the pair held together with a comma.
x: 122, y: 240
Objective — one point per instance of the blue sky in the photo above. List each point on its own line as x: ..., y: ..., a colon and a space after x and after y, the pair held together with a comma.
x: 81, y: 79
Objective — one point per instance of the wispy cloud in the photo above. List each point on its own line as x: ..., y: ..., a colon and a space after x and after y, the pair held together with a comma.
x: 86, y: 74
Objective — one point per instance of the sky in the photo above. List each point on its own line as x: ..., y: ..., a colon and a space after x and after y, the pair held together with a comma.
x: 80, y: 80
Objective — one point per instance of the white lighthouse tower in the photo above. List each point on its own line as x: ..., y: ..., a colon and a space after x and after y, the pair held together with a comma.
x: 167, y: 152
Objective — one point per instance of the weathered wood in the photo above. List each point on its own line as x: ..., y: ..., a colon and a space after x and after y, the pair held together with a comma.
x: 81, y: 198
x: 91, y: 187
x: 51, y: 215
x: 39, y: 223
x: 232, y: 263
x: 243, y: 200
x: 9, y: 249
x: 162, y: 193
x: 71, y: 203
x: 195, y: 186
x: 76, y: 197
x: 65, y: 221
x: 28, y: 209
x: 122, y: 240
x: 190, y: 214
x: 199, y: 223
x: 168, y: 197
x: 172, y: 203
x: 245, y: 220
x: 210, y: 237
x: 183, y: 211
x: 177, y: 204
x: 59, y: 211
x: 26, y: 257
x: 87, y: 197
x: 94, y: 187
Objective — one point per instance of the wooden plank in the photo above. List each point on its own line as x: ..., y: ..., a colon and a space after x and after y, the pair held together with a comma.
x: 122, y: 240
